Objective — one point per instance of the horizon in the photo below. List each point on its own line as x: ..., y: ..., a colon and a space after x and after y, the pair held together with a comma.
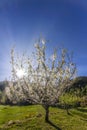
x: 63, y: 23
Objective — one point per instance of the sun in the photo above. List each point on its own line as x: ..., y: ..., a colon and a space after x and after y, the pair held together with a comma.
x: 20, y: 73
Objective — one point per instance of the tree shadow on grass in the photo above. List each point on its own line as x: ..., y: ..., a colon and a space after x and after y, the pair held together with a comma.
x: 81, y: 113
x: 69, y: 113
x: 82, y: 109
x: 83, y: 119
x: 52, y: 124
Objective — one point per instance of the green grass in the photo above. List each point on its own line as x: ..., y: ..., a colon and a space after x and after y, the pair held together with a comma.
x: 32, y: 118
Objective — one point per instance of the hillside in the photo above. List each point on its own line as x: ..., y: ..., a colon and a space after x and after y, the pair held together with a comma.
x: 80, y: 82
x: 78, y: 88
x: 2, y: 85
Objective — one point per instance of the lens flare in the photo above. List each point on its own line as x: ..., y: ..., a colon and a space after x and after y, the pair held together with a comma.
x: 20, y: 73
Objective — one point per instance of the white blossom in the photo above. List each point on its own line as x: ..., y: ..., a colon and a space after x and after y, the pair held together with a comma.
x: 53, y: 57
x: 43, y: 41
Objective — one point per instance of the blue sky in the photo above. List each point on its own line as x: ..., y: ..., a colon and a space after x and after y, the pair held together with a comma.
x: 63, y: 22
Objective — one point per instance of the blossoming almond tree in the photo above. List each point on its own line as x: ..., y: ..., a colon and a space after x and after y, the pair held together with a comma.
x: 42, y: 80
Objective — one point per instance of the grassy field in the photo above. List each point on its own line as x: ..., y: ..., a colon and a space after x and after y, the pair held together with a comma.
x: 32, y: 118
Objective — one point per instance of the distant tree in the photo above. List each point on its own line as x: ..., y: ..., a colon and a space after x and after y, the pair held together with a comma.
x: 69, y: 100
x: 40, y: 79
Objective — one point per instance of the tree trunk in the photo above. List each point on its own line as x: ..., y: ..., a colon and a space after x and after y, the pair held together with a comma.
x: 67, y: 110
x: 47, y: 114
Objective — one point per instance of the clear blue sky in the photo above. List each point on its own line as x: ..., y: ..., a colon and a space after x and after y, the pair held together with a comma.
x: 63, y: 22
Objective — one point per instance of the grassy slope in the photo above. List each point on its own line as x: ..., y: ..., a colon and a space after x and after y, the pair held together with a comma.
x: 32, y: 118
